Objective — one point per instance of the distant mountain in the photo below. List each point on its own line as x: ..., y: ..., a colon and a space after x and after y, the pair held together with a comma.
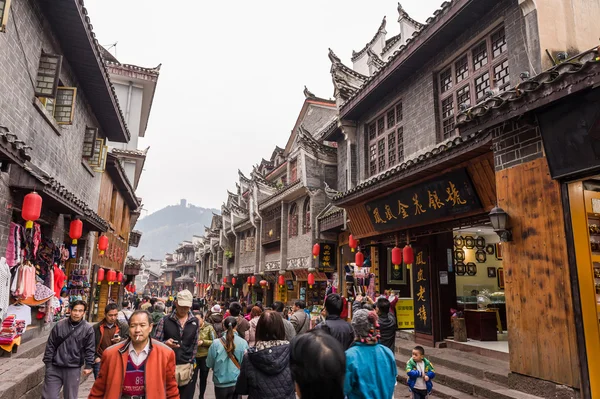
x: 163, y: 230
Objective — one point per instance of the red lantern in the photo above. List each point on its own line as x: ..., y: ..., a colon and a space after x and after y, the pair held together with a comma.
x: 311, y: 279
x: 253, y: 280
x: 233, y: 280
x: 119, y: 277
x: 31, y: 209
x: 352, y: 243
x: 396, y: 257
x: 249, y: 280
x: 75, y: 230
x: 281, y: 280
x: 409, y: 256
x: 102, y: 244
x: 359, y: 259
x: 111, y: 276
x: 100, y: 276
x: 263, y: 283
x: 222, y: 288
x: 316, y: 250
x: 224, y: 280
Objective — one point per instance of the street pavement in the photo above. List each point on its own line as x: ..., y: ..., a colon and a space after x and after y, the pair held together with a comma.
x: 400, y: 392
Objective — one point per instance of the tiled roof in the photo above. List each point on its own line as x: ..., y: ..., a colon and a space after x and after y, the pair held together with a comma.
x: 405, y: 15
x: 138, y: 153
x: 407, y: 166
x: 331, y: 211
x: 389, y: 43
x: 356, y: 55
x: 579, y: 66
x: 14, y: 147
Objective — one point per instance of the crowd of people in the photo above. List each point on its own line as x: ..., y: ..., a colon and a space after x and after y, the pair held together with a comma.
x: 151, y: 350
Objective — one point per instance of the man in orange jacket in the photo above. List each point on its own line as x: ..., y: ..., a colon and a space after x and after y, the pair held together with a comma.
x: 137, y: 368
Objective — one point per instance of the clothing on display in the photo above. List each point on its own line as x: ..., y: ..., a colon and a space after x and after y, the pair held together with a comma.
x: 79, y: 285
x: 4, y: 287
x: 21, y: 312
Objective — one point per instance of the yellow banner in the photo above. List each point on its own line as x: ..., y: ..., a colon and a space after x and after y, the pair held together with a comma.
x: 405, y: 314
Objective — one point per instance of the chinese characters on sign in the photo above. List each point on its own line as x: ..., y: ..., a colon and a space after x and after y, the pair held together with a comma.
x: 422, y: 295
x: 447, y: 195
x: 327, y: 263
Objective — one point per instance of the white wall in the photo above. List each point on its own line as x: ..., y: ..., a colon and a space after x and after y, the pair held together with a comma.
x: 132, y: 111
x: 481, y: 279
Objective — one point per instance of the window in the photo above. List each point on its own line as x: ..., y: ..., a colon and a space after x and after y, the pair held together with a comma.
x: 4, y: 9
x: 383, y: 135
x: 89, y: 140
x: 58, y: 100
x: 470, y: 78
x: 293, y: 221
x: 306, y: 213
x: 98, y: 159
x: 293, y: 171
x: 271, y: 225
x: 113, y: 205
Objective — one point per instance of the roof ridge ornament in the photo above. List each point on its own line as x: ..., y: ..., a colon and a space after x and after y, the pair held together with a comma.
x: 308, y: 93
x: 380, y: 30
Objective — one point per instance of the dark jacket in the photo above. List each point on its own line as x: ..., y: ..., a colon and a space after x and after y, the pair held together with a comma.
x: 187, y: 337
x: 338, y: 329
x: 76, y: 350
x: 266, y: 374
x: 122, y: 329
x: 387, y: 330
x: 216, y: 319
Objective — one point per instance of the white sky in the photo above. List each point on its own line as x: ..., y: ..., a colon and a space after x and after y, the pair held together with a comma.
x: 230, y: 86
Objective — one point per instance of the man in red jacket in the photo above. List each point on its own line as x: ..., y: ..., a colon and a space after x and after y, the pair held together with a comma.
x: 139, y: 367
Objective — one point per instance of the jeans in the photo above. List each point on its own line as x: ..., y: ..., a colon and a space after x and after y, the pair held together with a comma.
x: 96, y: 370
x: 225, y: 393
x: 201, y: 370
x: 419, y: 393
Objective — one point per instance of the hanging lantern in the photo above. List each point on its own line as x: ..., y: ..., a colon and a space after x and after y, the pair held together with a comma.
x: 224, y: 280
x: 111, y: 276
x: 31, y: 209
x: 316, y: 250
x: 233, y: 280
x: 311, y: 280
x: 249, y: 280
x: 396, y: 257
x: 222, y: 288
x: 359, y: 259
x: 102, y: 244
x: 253, y: 280
x: 352, y: 243
x: 75, y: 230
x: 281, y: 280
x: 408, y: 254
x: 100, y: 276
x: 263, y: 283
x: 119, y: 277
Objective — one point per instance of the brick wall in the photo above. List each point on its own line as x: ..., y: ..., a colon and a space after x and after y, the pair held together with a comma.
x: 516, y: 142
x: 419, y: 94
x: 342, y: 157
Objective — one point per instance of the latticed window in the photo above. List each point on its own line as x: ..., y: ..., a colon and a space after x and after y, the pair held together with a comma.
x: 89, y: 140
x: 293, y: 171
x: 400, y: 144
x: 46, y: 83
x: 306, y: 213
x: 98, y: 159
x: 383, y: 140
x: 471, y: 78
x: 293, y: 221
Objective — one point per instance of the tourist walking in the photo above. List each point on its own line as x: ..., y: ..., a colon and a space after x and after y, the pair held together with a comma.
x: 290, y: 332
x: 125, y: 312
x: 157, y: 315
x: 318, y: 366
x: 235, y: 310
x: 387, y: 324
x: 70, y: 346
x: 334, y: 325
x: 206, y: 336
x: 224, y: 358
x: 137, y: 368
x: 378, y: 380
x: 215, y: 318
x: 265, y: 371
x: 299, y: 319
x: 251, y: 333
x: 179, y: 331
x: 108, y: 332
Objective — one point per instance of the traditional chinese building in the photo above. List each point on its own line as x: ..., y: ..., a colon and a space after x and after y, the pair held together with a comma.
x: 185, y: 257
x: 414, y: 178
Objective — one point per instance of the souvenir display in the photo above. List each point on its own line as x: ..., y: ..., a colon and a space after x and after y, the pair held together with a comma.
x: 480, y: 256
x: 459, y: 255
x: 480, y: 243
x: 459, y: 242
x: 490, y: 249
x: 469, y: 242
x: 471, y: 269
x: 461, y: 269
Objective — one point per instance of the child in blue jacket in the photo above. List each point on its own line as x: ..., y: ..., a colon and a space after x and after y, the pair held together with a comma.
x: 420, y: 373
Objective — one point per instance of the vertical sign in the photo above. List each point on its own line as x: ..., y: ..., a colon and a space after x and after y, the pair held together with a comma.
x: 405, y: 315
x: 422, y: 295
x: 327, y: 258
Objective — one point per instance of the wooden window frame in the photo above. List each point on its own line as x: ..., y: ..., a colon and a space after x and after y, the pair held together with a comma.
x: 86, y: 140
x: 293, y: 170
x: 293, y: 220
x: 379, y: 156
x: 306, y: 225
x: 55, y: 76
x: 447, y: 120
x: 72, y: 112
x: 4, y: 15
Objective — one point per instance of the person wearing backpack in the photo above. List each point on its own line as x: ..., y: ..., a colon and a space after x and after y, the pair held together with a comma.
x: 71, y: 344
x: 334, y: 325
x: 225, y: 357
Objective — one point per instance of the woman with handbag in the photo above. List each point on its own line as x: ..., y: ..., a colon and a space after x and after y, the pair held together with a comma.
x: 225, y: 357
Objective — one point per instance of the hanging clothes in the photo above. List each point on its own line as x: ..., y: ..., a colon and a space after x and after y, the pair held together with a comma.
x: 37, y: 238
x: 59, y: 280
x: 4, y: 287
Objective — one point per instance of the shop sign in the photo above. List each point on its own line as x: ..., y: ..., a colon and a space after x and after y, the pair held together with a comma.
x: 327, y: 258
x: 405, y: 314
x: 448, y: 195
x: 422, y: 294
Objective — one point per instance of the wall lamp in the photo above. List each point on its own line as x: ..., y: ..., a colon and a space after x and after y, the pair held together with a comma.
x: 498, y: 218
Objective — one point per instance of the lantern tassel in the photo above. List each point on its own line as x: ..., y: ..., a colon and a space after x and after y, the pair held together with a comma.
x: 29, y: 224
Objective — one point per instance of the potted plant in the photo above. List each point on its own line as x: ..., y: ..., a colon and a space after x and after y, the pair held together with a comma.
x: 228, y: 254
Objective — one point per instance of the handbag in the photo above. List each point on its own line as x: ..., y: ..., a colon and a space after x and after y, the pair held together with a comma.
x: 230, y: 354
x: 183, y: 373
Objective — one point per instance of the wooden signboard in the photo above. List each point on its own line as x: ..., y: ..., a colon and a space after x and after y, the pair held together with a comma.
x: 327, y: 258
x: 448, y: 195
x: 422, y: 295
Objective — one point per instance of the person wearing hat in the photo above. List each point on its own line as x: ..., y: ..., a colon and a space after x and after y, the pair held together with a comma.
x: 215, y: 318
x: 179, y: 331
x: 378, y: 381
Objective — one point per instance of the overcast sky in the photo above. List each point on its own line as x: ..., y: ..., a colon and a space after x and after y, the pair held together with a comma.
x: 232, y: 76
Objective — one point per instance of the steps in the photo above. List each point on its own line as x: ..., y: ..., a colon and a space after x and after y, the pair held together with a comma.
x: 461, y: 375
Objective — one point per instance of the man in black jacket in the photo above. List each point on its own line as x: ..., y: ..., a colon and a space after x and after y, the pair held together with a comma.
x: 387, y: 324
x: 179, y: 331
x: 333, y: 324
x: 70, y: 345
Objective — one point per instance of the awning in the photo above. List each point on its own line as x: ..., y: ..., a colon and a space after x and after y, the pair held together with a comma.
x: 302, y: 275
